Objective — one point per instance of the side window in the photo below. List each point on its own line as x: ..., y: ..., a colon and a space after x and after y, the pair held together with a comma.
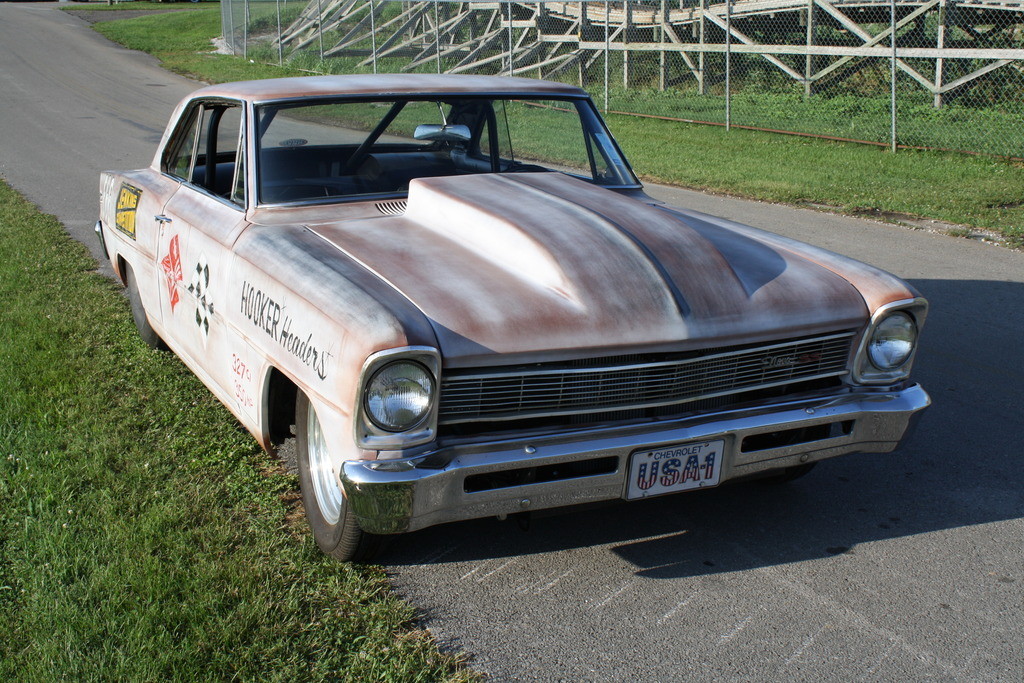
x: 230, y: 153
x: 178, y: 162
x: 208, y: 151
x: 199, y: 171
x: 600, y: 147
x: 549, y: 133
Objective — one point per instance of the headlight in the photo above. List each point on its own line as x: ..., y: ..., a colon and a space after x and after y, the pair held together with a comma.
x: 398, y: 396
x: 893, y: 341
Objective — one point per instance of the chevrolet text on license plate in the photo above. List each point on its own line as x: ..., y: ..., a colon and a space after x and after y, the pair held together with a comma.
x: 679, y: 467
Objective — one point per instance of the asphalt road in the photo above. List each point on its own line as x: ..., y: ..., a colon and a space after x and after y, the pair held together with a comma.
x: 878, y: 567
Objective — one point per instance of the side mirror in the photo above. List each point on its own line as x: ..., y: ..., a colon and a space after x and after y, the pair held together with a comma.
x: 442, y: 133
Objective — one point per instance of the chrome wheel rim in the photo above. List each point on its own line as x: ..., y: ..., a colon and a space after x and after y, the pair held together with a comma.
x: 323, y: 471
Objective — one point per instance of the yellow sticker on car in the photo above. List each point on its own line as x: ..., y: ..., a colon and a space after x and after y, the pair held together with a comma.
x: 127, y: 205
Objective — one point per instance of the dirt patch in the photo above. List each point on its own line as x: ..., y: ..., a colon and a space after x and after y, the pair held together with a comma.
x: 918, y: 223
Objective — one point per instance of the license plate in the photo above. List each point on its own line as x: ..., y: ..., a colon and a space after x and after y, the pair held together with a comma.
x: 679, y: 467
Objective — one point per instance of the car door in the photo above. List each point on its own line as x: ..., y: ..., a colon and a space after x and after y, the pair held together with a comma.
x: 199, y: 225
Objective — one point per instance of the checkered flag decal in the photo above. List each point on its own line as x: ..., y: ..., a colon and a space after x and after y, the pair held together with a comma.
x: 200, y: 289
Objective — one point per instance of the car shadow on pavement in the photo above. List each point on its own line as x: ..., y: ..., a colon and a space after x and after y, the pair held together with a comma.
x: 960, y: 468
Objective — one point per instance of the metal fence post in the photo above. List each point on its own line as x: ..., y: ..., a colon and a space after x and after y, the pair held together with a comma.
x: 940, y: 43
x: 320, y: 29
x: 245, y: 29
x: 892, y: 76
x: 607, y: 50
x: 373, y: 35
x: 809, y: 59
x: 627, y: 23
x: 509, y: 5
x: 661, y: 38
x: 700, y: 68
x: 230, y: 33
x: 728, y: 64
x: 437, y: 36
x: 280, y: 45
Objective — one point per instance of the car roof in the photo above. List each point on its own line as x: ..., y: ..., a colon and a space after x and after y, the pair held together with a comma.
x: 384, y: 84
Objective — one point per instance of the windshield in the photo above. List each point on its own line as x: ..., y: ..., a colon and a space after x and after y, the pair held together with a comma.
x: 327, y: 150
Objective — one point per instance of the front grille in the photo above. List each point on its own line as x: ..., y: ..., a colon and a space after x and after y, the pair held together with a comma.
x: 638, y: 381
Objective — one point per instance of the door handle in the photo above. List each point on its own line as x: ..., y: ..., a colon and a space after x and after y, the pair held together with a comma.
x: 163, y: 220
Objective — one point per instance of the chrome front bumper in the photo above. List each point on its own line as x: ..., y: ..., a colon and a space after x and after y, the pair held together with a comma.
x: 98, y: 229
x: 394, y: 496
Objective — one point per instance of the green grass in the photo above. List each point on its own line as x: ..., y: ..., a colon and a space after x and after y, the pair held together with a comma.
x: 181, y: 40
x: 855, y: 117
x: 976, y: 191
x: 980, y: 192
x: 143, y: 535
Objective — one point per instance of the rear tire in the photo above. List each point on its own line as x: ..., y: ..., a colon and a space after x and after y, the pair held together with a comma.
x: 335, y: 528
x: 146, y: 331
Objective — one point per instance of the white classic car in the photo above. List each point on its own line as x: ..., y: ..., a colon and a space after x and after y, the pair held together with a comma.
x: 452, y: 292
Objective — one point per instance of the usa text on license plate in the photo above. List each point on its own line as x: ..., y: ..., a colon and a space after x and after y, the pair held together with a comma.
x: 678, y: 467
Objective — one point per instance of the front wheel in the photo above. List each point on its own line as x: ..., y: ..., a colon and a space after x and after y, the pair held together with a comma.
x: 335, y: 528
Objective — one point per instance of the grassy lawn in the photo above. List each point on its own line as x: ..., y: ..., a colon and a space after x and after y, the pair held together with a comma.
x: 975, y: 191
x: 855, y: 117
x: 143, y: 535
x: 980, y: 192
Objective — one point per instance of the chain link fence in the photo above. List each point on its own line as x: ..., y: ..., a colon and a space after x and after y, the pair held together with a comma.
x: 943, y: 74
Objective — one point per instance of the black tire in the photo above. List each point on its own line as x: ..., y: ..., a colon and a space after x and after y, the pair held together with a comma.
x: 342, y: 539
x: 146, y: 331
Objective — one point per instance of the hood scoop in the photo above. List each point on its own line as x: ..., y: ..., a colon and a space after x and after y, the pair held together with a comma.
x: 393, y: 208
x: 544, y: 263
x: 454, y: 212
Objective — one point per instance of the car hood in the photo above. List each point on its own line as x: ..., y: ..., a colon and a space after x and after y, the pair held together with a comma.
x: 543, y: 265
